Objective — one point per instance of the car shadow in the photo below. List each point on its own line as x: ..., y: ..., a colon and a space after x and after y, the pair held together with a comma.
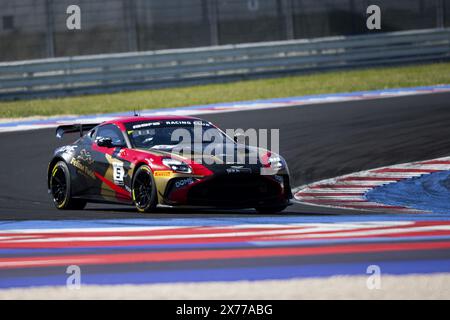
x: 195, y: 212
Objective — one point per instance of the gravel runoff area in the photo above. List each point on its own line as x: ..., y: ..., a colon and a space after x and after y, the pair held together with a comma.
x: 434, y: 286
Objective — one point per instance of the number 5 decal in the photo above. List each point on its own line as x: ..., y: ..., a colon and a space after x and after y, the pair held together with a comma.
x: 118, y: 173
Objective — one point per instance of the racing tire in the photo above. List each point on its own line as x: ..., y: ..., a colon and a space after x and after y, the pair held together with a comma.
x: 60, y: 189
x: 144, y: 190
x: 268, y: 210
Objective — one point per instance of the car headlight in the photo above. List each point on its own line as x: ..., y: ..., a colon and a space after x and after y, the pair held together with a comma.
x: 177, y: 165
x: 275, y: 162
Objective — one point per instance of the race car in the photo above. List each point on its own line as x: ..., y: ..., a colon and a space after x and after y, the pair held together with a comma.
x: 143, y: 161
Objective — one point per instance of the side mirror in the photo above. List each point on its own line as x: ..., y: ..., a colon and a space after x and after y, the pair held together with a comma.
x: 238, y: 137
x: 104, y: 142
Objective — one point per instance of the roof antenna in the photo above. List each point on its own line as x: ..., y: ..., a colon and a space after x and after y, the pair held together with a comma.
x: 135, y: 112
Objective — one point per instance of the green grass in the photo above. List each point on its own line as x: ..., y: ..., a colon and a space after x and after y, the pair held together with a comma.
x: 329, y: 82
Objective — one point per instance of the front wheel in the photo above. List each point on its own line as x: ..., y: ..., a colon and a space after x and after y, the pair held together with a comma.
x: 268, y: 210
x: 144, y: 190
x: 60, y: 189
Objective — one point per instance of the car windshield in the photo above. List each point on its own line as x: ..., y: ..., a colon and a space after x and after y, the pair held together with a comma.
x: 170, y: 133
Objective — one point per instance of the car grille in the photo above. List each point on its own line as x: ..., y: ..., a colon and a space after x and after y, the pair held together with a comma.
x: 228, y: 190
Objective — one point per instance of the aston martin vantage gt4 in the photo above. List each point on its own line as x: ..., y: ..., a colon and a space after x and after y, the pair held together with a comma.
x: 171, y: 161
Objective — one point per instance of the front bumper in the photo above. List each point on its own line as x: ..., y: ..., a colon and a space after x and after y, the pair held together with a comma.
x: 227, y: 190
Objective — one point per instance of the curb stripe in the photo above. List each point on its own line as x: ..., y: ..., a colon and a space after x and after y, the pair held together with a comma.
x: 370, y: 178
x: 329, y: 193
x: 344, y: 186
x: 406, y: 170
x: 213, y: 250
x: 47, y: 261
x: 31, y: 124
x: 232, y: 235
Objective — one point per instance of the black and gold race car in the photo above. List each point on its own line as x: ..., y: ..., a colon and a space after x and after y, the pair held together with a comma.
x: 174, y: 161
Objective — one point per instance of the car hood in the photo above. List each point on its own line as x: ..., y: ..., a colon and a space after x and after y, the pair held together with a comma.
x: 228, y: 157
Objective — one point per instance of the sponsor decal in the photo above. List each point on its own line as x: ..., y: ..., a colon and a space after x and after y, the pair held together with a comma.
x: 238, y: 169
x: 177, y: 122
x: 66, y: 149
x: 162, y: 173
x: 202, y: 123
x: 147, y: 124
x: 85, y: 157
x: 183, y: 182
x: 82, y: 168
x: 172, y: 123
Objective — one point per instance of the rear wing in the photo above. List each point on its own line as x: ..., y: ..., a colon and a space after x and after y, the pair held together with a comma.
x: 71, y: 128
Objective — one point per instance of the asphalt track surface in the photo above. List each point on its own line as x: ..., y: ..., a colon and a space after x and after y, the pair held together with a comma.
x: 318, y: 141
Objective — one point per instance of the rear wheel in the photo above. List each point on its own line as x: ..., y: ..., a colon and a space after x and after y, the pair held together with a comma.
x: 144, y: 190
x: 60, y: 189
x: 267, y: 210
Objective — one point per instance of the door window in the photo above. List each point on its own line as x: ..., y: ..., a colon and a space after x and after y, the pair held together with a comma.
x: 111, y: 131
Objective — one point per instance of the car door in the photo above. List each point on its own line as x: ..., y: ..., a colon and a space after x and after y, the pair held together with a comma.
x: 111, y: 170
